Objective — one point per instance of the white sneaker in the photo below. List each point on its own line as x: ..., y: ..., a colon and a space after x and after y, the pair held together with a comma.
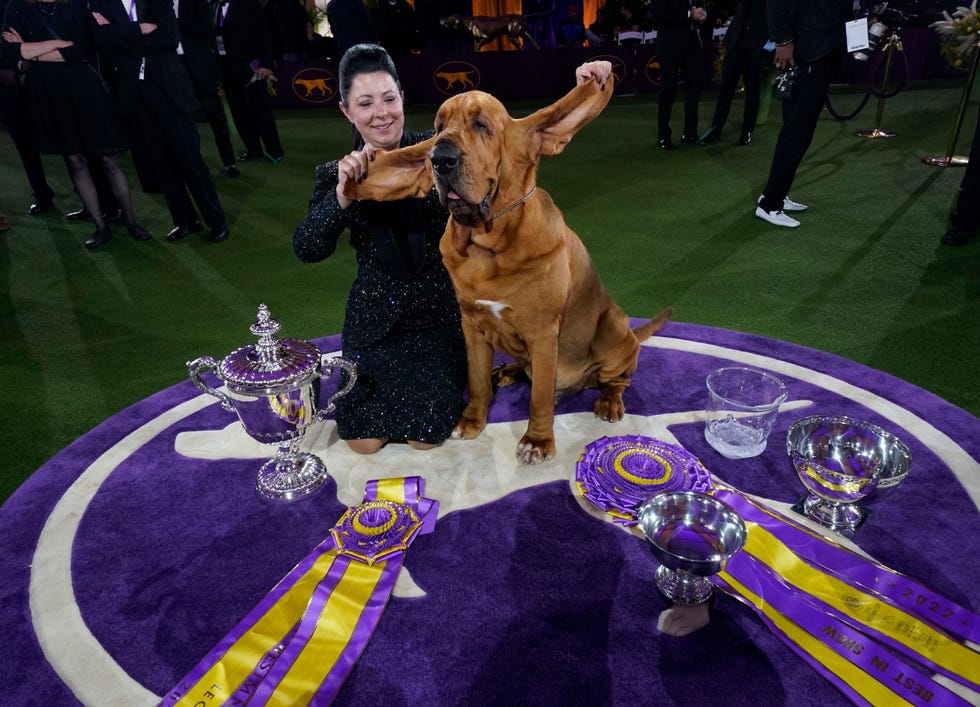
x: 776, y: 218
x: 788, y: 204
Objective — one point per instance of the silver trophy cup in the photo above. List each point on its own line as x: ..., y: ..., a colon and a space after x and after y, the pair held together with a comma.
x: 273, y: 387
x: 692, y: 535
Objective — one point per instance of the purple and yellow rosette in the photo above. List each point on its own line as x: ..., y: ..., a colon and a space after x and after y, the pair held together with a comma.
x: 298, y: 645
x: 618, y: 474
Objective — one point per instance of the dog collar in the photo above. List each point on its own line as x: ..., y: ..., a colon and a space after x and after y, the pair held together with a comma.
x: 515, y: 204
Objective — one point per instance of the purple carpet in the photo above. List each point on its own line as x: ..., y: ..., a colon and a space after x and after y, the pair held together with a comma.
x: 133, y: 551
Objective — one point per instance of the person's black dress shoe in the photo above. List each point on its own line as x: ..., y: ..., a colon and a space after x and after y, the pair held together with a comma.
x: 712, y: 135
x: 956, y: 235
x: 276, y: 158
x: 138, y: 232
x: 81, y: 215
x: 99, y: 238
x: 689, y: 139
x: 219, y: 233
x: 745, y: 138
x: 39, y: 207
x: 232, y: 171
x: 665, y: 144
x: 179, y: 233
x: 246, y: 156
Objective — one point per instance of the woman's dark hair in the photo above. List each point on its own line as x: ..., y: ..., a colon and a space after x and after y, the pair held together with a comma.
x: 364, y: 59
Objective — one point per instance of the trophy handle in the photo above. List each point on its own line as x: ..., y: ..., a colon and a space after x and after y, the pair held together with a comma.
x: 198, y: 366
x: 326, y: 370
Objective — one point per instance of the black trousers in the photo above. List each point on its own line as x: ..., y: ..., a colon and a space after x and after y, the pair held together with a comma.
x: 207, y: 94
x: 692, y: 64
x: 16, y: 117
x: 800, y: 117
x: 746, y: 62
x: 966, y: 213
x: 251, y: 110
x: 175, y: 149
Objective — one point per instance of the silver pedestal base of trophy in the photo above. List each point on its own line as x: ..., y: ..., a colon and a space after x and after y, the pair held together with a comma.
x: 683, y: 587
x: 290, y: 477
x: 843, y: 518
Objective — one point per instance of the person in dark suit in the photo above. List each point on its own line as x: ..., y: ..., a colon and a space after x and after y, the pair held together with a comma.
x: 194, y: 20
x: 809, y: 36
x: 245, y: 55
x: 964, y: 221
x: 16, y: 117
x: 351, y: 24
x: 680, y: 47
x: 153, y: 91
x: 745, y: 55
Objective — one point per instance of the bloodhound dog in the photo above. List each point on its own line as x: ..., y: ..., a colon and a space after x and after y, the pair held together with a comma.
x: 525, y: 283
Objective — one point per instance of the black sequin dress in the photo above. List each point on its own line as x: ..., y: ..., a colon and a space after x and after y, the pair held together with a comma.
x: 402, y: 326
x: 70, y: 106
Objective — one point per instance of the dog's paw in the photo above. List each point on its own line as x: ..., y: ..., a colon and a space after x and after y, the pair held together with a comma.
x: 468, y: 428
x: 534, y: 451
x: 609, y: 407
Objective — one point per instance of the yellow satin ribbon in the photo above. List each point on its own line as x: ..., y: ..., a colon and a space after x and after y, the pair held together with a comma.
x: 863, y: 607
x: 870, y: 689
x: 335, y: 627
x: 224, y: 677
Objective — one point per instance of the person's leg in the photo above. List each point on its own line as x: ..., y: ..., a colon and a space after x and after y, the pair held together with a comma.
x: 800, y: 117
x: 693, y: 82
x: 731, y: 69
x: 238, y: 105
x: 365, y: 446
x: 207, y: 94
x: 669, y: 67
x: 82, y: 179
x: 264, y: 119
x: 965, y: 218
x: 752, y: 78
x: 16, y: 119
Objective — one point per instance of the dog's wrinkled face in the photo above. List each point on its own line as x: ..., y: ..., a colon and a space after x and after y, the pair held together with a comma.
x: 467, y: 155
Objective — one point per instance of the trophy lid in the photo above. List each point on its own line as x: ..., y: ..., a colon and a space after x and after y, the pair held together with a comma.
x: 272, y: 365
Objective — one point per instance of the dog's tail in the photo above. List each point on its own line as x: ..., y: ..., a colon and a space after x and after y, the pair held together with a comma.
x: 645, y: 331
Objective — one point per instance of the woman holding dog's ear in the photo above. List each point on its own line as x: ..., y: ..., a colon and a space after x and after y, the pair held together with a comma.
x: 402, y: 326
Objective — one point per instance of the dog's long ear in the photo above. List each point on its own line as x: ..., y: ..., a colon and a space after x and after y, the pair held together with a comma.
x: 553, y: 127
x: 398, y: 174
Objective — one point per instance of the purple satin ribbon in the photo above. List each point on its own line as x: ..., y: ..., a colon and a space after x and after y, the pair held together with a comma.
x: 261, y: 683
x: 895, y: 588
x: 906, y: 680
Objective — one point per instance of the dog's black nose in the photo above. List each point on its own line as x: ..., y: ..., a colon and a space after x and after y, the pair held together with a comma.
x: 444, y: 159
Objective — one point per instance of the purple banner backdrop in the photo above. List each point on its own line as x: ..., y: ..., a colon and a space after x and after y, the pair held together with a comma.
x: 131, y: 553
x: 431, y: 77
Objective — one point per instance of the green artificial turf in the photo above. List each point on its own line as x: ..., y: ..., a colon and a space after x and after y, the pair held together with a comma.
x: 86, y: 334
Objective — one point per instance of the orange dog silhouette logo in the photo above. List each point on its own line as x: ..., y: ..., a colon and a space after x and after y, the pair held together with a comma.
x: 456, y: 77
x: 314, y: 85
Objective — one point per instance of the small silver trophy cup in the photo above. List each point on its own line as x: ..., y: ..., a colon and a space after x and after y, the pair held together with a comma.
x: 273, y: 388
x: 692, y: 535
x: 845, y: 464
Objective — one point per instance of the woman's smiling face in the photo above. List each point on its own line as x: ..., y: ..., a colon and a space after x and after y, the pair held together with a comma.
x: 374, y: 106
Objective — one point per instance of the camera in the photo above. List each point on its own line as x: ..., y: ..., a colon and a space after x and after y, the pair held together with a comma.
x: 883, y: 18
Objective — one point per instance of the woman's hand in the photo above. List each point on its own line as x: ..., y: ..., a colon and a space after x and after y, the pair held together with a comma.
x: 598, y: 70
x: 100, y: 19
x: 12, y: 36
x: 147, y: 27
x: 352, y: 167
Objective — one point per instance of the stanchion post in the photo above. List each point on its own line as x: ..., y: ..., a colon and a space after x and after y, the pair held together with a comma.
x: 949, y: 159
x: 893, y: 45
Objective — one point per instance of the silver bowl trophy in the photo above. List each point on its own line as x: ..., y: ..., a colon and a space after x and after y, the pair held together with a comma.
x: 273, y: 387
x: 692, y: 536
x: 843, y: 462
